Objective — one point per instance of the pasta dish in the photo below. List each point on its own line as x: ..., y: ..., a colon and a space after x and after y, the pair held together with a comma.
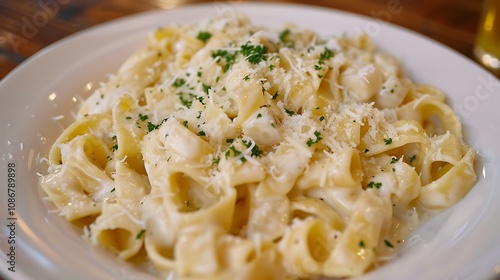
x: 226, y: 150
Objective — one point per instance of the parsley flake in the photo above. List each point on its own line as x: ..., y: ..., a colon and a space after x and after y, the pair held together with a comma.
x: 326, y: 54
x: 284, y: 34
x: 310, y: 142
x: 374, y: 184
x: 254, y: 53
x: 255, y: 150
x: 152, y: 126
x: 216, y: 160
x: 206, y: 88
x: 412, y: 158
x: 179, y: 82
x: 140, y: 234
x: 184, y: 101
x: 203, y: 36
x: 289, y: 112
x: 235, y: 152
x: 229, y: 57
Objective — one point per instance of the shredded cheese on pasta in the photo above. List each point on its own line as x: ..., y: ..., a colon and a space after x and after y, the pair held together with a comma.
x: 232, y: 151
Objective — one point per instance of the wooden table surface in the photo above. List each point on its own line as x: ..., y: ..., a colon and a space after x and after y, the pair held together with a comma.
x: 451, y: 22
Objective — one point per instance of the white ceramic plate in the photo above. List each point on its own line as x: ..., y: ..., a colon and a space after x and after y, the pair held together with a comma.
x: 461, y: 243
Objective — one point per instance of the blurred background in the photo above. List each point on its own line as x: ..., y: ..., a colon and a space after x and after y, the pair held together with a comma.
x: 27, y: 26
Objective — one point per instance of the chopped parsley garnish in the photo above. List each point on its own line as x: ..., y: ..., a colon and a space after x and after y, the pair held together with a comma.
x: 199, y: 114
x: 388, y: 141
x: 254, y: 53
x: 271, y: 67
x: 229, y: 140
x: 246, y: 77
x: 216, y: 160
x: 283, y: 35
x: 113, y: 190
x: 388, y: 244
x: 310, y: 142
x: 374, y: 184
x: 322, y: 118
x: 230, y: 57
x: 394, y: 160
x: 206, y: 88
x: 114, y: 147
x: 185, y: 123
x: 326, y: 54
x: 152, y: 126
x: 275, y: 95
x: 317, y: 67
x: 259, y: 115
x: 128, y: 117
x: 366, y: 151
x: 289, y: 112
x: 201, y: 99
x: 203, y: 36
x: 235, y: 152
x: 140, y: 234
x: 202, y: 133
x: 179, y: 82
x: 361, y: 244
x: 186, y: 102
x: 255, y: 150
x: 143, y: 117
x: 412, y: 158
